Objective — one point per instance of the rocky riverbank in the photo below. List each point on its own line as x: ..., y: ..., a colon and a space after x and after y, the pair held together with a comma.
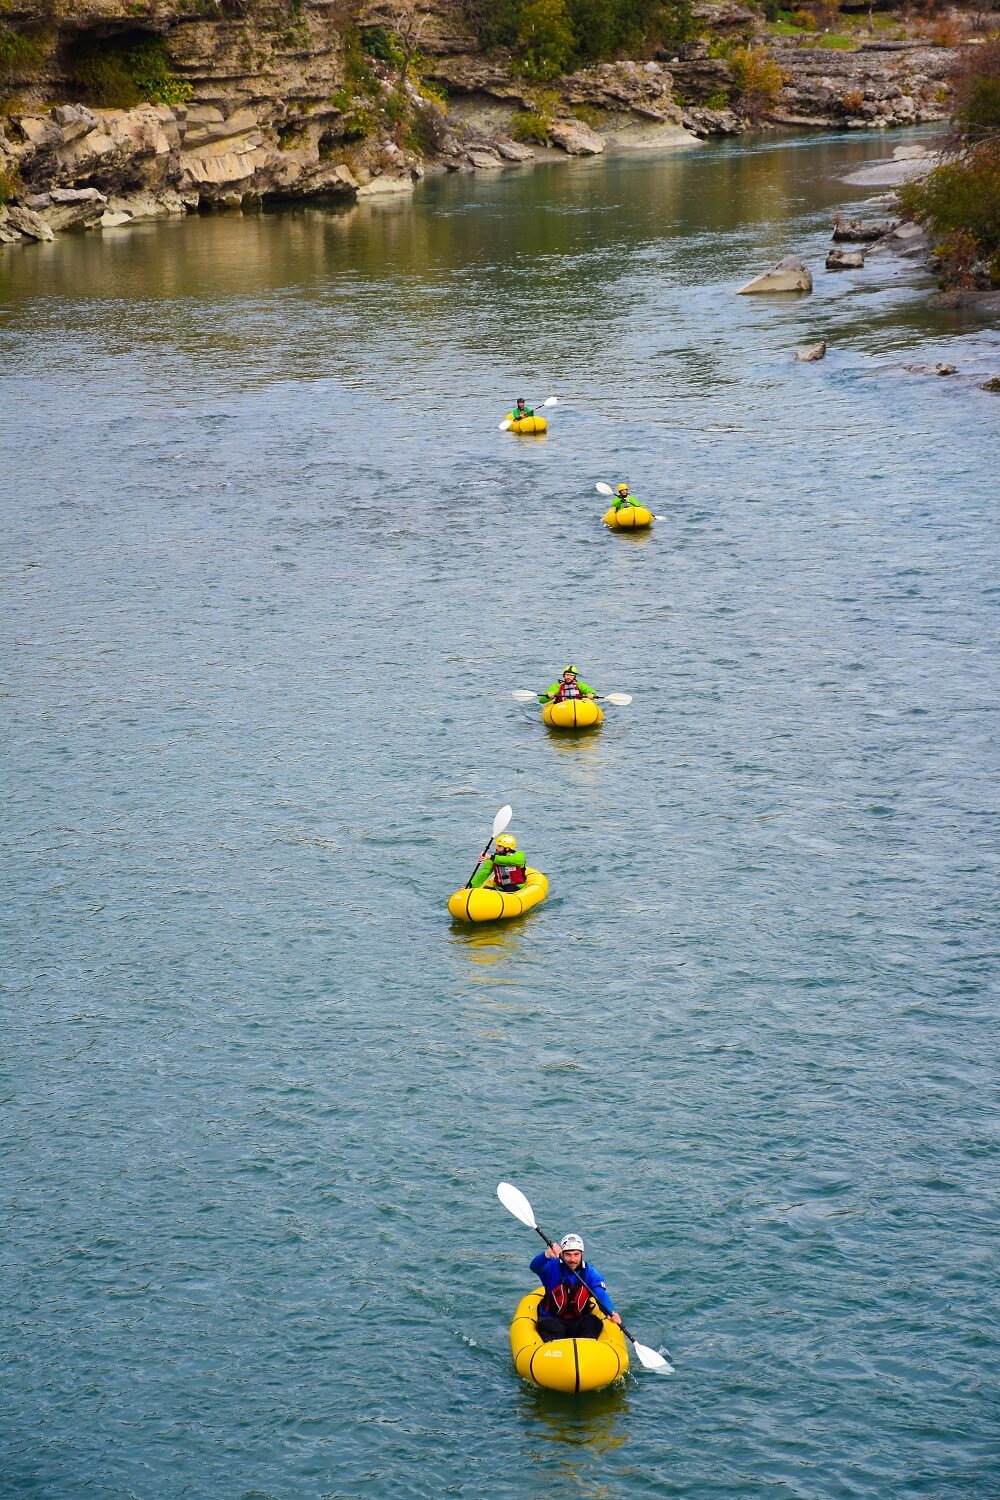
x: 274, y: 105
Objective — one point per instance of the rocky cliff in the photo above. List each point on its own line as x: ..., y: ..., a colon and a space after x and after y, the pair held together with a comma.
x: 276, y: 99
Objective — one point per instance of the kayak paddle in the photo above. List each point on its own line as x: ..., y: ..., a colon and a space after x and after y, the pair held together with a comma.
x: 621, y: 699
x: 509, y: 421
x: 605, y: 489
x: 517, y: 1204
x: 500, y: 822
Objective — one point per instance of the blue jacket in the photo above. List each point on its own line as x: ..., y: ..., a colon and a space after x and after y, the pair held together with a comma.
x: 550, y: 1272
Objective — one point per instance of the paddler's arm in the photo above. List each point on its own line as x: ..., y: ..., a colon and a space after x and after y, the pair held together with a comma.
x: 586, y: 689
x: 483, y: 873
x: 510, y: 859
x: 549, y: 694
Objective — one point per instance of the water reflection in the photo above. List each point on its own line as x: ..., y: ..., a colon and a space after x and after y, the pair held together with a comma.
x: 575, y: 1434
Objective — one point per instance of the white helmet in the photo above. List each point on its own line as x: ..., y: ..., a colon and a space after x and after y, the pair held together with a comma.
x: 571, y: 1242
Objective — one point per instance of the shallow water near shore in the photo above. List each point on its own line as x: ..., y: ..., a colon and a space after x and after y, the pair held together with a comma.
x: 270, y: 570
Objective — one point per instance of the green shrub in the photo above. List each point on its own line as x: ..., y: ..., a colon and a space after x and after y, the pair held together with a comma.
x: 530, y: 125
x: 18, y: 53
x: 960, y: 196
x: 578, y: 32
x: 9, y: 184
x: 119, y: 76
x: 718, y: 99
x: 381, y: 43
x: 545, y: 38
x: 359, y: 123
x: 758, y: 80
x: 150, y: 69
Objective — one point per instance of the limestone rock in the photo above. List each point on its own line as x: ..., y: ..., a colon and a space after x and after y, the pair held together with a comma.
x: 845, y: 260
x: 809, y: 353
x: 575, y: 138
x: 385, y: 186
x: 74, y: 120
x: 789, y: 275
x: 114, y: 218
x: 28, y: 222
x: 512, y: 150
x: 8, y: 234
x: 860, y: 232
x: 484, y: 159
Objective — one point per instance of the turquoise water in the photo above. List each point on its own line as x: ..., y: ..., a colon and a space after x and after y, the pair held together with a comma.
x: 270, y: 574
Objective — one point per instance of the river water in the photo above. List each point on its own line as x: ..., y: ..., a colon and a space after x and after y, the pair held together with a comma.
x: 270, y: 573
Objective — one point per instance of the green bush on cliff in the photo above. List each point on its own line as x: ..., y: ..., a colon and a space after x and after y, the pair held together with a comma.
x: 18, y: 53
x: 119, y: 76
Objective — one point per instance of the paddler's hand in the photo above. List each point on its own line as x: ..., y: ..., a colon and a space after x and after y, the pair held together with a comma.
x: 553, y: 1251
x: 615, y: 1319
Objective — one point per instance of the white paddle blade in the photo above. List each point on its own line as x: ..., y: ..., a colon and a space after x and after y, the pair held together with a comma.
x: 501, y: 820
x: 521, y: 695
x: 622, y: 699
x: 552, y: 401
x: 602, y: 488
x: 650, y: 1360
x: 505, y: 424
x: 516, y: 1203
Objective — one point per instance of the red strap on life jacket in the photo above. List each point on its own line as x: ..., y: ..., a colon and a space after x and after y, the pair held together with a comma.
x: 568, y: 690
x: 568, y: 1301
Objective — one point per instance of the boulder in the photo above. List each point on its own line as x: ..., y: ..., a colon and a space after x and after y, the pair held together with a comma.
x: 29, y: 223
x: 575, y: 138
x: 385, y: 186
x: 114, y: 218
x: 858, y: 232
x: 991, y: 385
x: 74, y: 121
x: 514, y: 150
x: 809, y: 353
x: 845, y: 260
x: 8, y: 234
x: 908, y: 239
x: 789, y: 275
x: 483, y: 158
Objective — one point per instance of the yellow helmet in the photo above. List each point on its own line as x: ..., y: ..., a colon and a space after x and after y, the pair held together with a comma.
x: 506, y: 843
x: 570, y: 669
x: 623, y: 489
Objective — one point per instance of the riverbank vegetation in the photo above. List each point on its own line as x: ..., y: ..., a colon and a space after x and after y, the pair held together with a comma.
x: 549, y: 37
x: 959, y: 201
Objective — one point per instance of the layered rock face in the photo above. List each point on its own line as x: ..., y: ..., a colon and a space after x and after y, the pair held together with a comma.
x: 265, y: 103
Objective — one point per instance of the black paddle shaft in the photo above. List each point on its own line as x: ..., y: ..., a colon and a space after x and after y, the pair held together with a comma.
x: 478, y: 863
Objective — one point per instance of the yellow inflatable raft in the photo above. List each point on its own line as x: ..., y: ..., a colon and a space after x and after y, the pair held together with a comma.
x: 487, y: 904
x: 573, y: 713
x: 527, y: 424
x: 566, y: 1364
x: 629, y: 518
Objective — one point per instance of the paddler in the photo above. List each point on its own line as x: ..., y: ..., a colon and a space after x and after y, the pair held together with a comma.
x: 521, y: 410
x: 507, y: 866
x: 622, y: 499
x: 569, y: 1283
x: 567, y: 686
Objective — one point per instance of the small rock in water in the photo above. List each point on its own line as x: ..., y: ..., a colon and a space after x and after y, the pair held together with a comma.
x: 789, y: 275
x: 845, y: 260
x: 809, y: 353
x: 938, y: 369
x: 991, y: 385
